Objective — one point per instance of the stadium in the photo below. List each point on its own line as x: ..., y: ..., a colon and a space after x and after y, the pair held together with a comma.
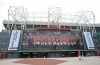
x: 47, y: 35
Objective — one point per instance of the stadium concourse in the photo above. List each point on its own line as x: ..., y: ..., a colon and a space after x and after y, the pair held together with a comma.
x: 52, y: 61
x: 50, y: 35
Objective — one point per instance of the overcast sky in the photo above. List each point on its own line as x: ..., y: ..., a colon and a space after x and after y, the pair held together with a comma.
x: 67, y: 6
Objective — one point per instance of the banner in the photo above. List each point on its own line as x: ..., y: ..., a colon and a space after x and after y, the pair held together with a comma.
x: 88, y: 39
x: 14, y: 40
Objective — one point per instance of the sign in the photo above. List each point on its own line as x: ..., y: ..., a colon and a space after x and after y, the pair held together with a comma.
x: 88, y: 39
x: 14, y: 40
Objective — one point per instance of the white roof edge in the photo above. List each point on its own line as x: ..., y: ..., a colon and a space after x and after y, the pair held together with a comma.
x: 45, y: 23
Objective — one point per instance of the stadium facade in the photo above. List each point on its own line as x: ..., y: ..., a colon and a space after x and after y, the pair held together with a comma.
x: 50, y: 35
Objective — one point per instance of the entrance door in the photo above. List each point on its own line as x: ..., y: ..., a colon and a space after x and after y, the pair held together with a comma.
x: 34, y: 55
x: 73, y: 54
x: 38, y: 55
x: 25, y: 55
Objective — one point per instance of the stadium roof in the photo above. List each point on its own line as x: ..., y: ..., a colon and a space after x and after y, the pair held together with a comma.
x: 46, y: 23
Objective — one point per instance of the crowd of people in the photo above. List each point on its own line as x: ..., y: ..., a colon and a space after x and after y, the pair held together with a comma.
x: 51, y: 38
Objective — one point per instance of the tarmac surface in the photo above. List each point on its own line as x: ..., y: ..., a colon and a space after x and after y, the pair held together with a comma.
x: 93, y: 60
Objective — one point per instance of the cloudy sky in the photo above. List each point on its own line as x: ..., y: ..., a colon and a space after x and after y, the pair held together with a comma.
x: 67, y: 6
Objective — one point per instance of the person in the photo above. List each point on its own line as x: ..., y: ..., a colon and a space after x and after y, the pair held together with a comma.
x: 79, y: 55
x: 98, y: 52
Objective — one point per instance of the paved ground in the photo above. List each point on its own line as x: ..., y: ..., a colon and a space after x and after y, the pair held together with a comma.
x: 40, y: 61
x: 52, y: 61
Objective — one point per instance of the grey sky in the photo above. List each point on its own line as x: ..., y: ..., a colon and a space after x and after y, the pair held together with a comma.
x: 68, y: 6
